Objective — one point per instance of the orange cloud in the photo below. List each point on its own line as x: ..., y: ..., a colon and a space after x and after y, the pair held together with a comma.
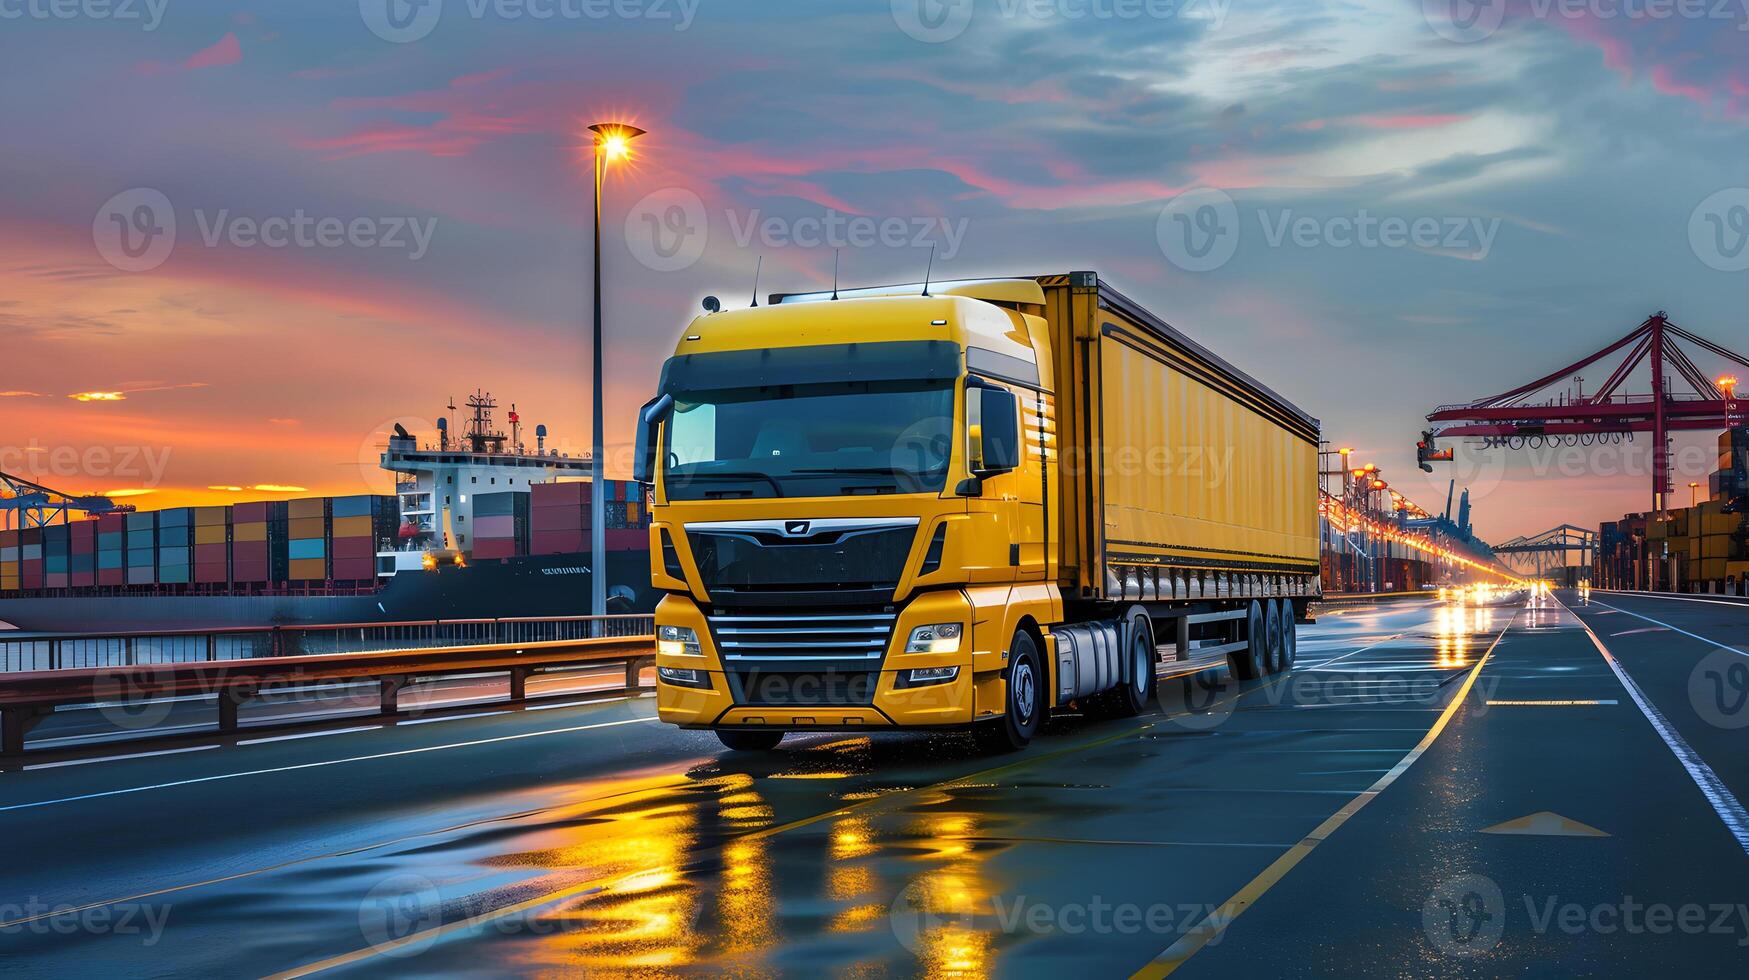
x: 21, y: 394
x: 98, y: 396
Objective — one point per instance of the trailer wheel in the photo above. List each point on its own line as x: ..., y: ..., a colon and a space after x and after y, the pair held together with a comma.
x: 1247, y: 664
x: 1274, y: 653
x: 1026, y: 699
x: 1290, y: 635
x: 750, y: 741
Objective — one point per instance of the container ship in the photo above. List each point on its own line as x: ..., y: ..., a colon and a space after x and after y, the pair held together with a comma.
x: 478, y: 527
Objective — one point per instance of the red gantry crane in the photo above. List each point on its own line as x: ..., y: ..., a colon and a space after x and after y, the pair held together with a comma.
x: 1515, y: 420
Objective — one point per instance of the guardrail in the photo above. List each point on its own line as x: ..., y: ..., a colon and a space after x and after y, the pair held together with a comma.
x: 62, y: 651
x: 26, y: 697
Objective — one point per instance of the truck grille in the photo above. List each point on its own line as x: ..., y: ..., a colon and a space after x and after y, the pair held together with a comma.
x: 802, y: 658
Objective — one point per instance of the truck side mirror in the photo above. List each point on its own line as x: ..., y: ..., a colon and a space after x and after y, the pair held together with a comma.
x: 650, y: 419
x: 994, y: 431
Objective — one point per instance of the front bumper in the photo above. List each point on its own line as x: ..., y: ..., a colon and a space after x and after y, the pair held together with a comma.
x: 935, y: 705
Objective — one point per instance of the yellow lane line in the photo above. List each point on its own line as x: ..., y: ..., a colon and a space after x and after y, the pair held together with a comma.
x: 1175, y: 955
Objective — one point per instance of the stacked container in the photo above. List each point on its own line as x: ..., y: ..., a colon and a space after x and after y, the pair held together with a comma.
x: 212, y: 545
x: 258, y: 552
x: 501, y: 524
x: 83, y: 562
x: 8, y: 561
x: 30, y: 558
x: 308, y: 528
x: 56, y: 556
x: 176, y: 546
x: 112, y: 549
x: 142, y: 549
x: 360, y: 523
x: 558, y: 518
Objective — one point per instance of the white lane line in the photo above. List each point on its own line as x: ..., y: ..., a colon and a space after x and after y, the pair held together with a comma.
x: 326, y: 762
x: 1667, y: 626
x: 1740, y: 604
x: 571, y: 704
x: 117, y: 758
x: 429, y: 721
x: 301, y: 735
x: 1724, y: 804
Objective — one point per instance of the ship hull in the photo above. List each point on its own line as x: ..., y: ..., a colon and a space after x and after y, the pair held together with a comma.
x: 543, y: 586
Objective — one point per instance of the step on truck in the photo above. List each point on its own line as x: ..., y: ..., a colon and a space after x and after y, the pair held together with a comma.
x: 963, y: 505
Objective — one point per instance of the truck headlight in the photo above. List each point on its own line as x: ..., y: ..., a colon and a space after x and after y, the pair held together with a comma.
x: 925, y: 676
x: 939, y: 638
x: 683, y: 677
x: 677, y: 641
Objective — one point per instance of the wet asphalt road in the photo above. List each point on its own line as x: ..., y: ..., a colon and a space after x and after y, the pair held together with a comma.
x: 589, y: 838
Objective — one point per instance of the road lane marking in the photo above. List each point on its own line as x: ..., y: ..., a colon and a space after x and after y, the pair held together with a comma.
x: 1735, y: 818
x: 1544, y: 823
x: 303, y: 735
x: 1695, y: 636
x: 1740, y: 603
x: 1643, y: 629
x: 317, y: 765
x: 116, y: 758
x: 1174, y: 956
x: 428, y: 721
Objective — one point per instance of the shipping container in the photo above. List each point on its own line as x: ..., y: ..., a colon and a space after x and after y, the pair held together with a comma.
x: 308, y: 570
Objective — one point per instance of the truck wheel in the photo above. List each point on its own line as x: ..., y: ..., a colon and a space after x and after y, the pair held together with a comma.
x: 1247, y: 664
x: 750, y: 741
x: 1272, y: 628
x: 1290, y: 635
x: 1026, y: 699
x: 1131, y: 698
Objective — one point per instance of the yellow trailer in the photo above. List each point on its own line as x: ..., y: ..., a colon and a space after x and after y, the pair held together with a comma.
x: 963, y: 504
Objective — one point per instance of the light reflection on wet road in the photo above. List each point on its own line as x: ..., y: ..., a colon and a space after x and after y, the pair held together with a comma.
x: 489, y: 846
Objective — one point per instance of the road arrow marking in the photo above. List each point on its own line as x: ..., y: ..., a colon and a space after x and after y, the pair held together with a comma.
x: 1544, y: 824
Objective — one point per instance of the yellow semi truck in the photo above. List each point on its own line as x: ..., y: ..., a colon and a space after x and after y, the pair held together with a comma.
x: 965, y: 504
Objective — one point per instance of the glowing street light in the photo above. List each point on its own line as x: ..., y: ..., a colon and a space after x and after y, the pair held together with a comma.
x: 612, y: 142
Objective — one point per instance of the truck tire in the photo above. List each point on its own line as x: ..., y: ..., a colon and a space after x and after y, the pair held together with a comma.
x: 1290, y: 635
x: 1131, y: 697
x: 750, y: 741
x: 1274, y: 652
x: 1247, y: 664
x: 1025, y: 707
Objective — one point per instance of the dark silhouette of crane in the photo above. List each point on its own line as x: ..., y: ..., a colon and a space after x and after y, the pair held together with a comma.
x: 1513, y: 420
x: 26, y: 503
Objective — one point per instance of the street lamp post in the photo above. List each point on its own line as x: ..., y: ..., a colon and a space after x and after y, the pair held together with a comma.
x: 612, y: 141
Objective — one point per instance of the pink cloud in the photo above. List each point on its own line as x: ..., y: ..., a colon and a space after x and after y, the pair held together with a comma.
x: 226, y: 52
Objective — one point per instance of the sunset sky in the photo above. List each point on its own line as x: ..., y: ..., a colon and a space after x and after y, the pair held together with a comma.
x: 378, y: 205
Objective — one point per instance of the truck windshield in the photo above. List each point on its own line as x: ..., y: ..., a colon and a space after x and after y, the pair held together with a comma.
x: 810, y: 440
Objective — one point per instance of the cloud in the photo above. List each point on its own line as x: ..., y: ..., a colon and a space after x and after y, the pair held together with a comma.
x: 21, y: 394
x: 98, y: 396
x: 226, y: 52
x: 279, y: 488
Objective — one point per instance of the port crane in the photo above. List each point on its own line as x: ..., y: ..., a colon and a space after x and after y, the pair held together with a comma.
x: 1519, y: 418
x: 26, y: 503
